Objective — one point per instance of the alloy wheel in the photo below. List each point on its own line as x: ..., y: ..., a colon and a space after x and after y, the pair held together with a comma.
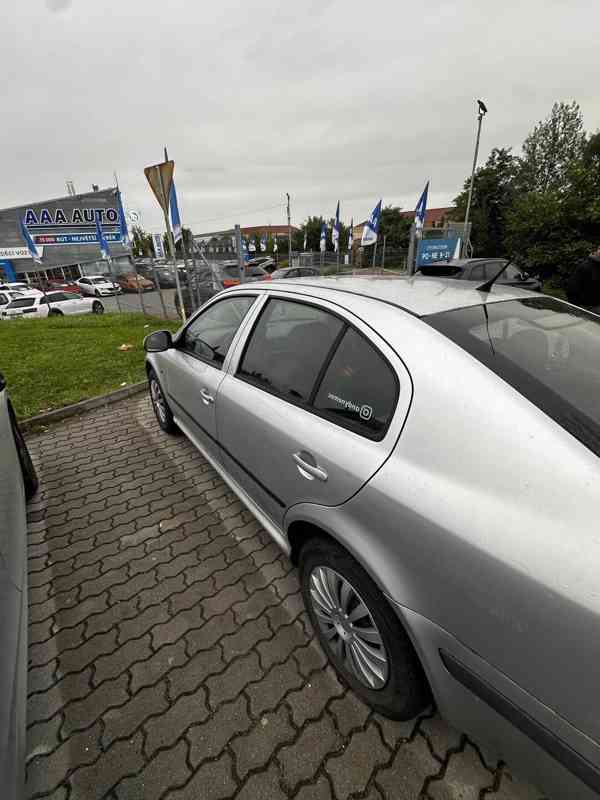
x: 348, y: 627
x: 158, y: 401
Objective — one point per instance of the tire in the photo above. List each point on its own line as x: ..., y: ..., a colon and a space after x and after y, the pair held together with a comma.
x: 97, y: 307
x: 97, y: 292
x: 30, y: 478
x: 391, y: 679
x: 162, y: 412
x: 54, y: 312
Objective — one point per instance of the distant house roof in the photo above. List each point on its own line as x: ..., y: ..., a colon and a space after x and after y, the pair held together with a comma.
x: 279, y: 230
x: 433, y: 216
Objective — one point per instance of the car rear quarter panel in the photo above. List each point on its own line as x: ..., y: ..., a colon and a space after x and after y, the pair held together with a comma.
x: 484, y: 521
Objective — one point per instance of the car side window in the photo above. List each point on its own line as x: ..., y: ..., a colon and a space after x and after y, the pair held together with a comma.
x: 478, y: 273
x: 209, y: 336
x: 359, y: 389
x: 56, y: 297
x: 288, y: 348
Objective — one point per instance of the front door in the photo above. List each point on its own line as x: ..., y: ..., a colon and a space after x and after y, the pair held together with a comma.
x: 194, y: 367
x: 309, y: 414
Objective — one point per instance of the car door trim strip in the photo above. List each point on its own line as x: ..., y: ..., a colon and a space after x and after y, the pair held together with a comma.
x: 544, y: 738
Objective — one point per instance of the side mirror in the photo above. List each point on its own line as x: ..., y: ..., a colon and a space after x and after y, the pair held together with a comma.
x: 158, y: 342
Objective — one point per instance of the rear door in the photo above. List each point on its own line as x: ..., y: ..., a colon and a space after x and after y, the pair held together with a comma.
x: 311, y: 408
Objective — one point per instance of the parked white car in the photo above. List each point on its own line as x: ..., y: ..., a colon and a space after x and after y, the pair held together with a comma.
x: 7, y: 296
x: 97, y: 286
x: 50, y: 304
x: 23, y: 288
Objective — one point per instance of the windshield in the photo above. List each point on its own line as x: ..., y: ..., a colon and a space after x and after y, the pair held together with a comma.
x: 99, y: 280
x: 547, y: 350
x: 25, y: 301
x: 440, y: 270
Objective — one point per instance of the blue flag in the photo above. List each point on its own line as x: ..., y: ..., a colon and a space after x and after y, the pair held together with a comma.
x: 421, y: 209
x: 335, y: 233
x: 123, y: 232
x: 175, y: 218
x: 102, y: 239
x: 369, y: 234
x: 323, y: 241
x: 263, y: 243
x: 31, y: 246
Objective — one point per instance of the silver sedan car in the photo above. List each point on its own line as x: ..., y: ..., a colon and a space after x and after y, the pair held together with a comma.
x: 427, y: 453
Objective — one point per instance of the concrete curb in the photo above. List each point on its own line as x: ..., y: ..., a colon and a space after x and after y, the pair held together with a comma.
x: 83, y: 406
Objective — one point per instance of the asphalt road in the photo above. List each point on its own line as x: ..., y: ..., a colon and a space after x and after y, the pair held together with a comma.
x: 170, y: 655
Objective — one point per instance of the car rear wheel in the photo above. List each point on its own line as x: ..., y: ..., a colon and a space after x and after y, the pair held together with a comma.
x: 161, y: 408
x: 30, y: 478
x: 97, y: 307
x: 54, y: 312
x: 359, y: 632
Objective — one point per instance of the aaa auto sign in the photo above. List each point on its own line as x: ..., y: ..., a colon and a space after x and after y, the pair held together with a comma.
x: 73, y: 218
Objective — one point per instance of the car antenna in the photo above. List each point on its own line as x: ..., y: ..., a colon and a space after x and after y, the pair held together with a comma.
x: 485, y: 287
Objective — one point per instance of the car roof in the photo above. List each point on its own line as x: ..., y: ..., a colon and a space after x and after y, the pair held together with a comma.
x: 418, y: 296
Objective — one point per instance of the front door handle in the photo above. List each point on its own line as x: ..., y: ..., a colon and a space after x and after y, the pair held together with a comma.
x: 308, y: 470
x: 207, y: 398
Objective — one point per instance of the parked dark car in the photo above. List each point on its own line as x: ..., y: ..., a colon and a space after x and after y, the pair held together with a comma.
x: 294, y: 272
x: 200, y: 283
x: 164, y: 275
x: 481, y: 270
x: 266, y: 262
x: 18, y: 482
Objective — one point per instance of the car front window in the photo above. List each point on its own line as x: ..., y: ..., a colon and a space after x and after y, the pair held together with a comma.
x: 210, y: 334
x: 549, y: 351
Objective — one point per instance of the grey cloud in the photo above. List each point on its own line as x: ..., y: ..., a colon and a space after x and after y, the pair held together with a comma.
x: 325, y: 100
x: 58, y: 5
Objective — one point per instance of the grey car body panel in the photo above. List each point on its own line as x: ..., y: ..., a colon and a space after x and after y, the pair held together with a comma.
x: 13, y: 612
x: 462, y: 526
x: 260, y: 433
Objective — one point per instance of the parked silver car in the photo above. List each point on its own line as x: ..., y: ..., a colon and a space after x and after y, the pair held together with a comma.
x: 428, y: 455
x: 18, y: 481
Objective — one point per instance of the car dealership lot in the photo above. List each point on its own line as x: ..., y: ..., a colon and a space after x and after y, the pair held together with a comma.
x: 170, y: 654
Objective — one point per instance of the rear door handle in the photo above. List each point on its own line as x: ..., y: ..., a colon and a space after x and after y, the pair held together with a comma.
x: 207, y: 398
x: 308, y: 470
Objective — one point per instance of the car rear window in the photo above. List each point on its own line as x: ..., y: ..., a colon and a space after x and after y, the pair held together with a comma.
x: 440, y: 270
x: 23, y: 303
x: 359, y: 389
x: 547, y: 350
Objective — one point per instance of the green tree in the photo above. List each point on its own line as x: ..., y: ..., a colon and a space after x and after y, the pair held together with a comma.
x: 494, y: 191
x: 549, y: 232
x: 312, y: 228
x: 141, y: 243
x: 551, y: 147
x: 395, y: 227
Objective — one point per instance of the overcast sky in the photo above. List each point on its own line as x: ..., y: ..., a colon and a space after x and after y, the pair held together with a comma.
x: 325, y: 99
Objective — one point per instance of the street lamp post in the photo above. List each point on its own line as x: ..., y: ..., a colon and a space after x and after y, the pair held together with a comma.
x: 481, y: 112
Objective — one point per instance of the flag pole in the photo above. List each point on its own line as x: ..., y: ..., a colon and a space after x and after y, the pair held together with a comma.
x: 374, y: 253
